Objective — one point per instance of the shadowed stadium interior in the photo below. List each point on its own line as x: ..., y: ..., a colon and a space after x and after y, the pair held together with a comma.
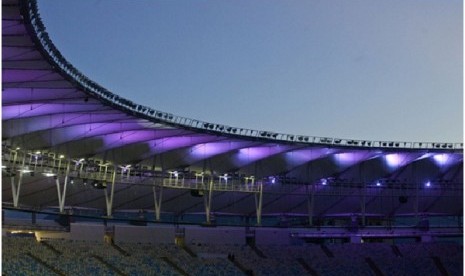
x: 164, y: 194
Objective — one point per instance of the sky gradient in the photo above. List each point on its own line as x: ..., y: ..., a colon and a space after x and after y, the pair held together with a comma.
x: 380, y: 70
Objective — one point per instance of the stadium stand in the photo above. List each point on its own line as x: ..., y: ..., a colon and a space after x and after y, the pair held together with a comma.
x: 21, y: 255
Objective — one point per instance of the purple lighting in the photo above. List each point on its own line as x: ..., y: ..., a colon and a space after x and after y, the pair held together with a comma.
x: 394, y: 160
x: 350, y: 158
x: 206, y: 150
x: 30, y: 110
x: 442, y: 159
x: 324, y: 181
x: 298, y: 157
x: 252, y: 154
x: 428, y: 184
x: 378, y: 183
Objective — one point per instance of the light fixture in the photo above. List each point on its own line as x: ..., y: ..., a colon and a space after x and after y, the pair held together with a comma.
x: 62, y: 156
x: 428, y: 184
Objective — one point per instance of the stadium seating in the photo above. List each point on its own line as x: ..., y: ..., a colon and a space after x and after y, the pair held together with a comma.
x: 26, y: 256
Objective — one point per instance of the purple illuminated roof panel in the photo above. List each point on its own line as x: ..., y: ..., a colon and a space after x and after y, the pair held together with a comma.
x: 248, y: 155
x: 350, y: 158
x: 32, y: 124
x: 165, y: 145
x: 447, y: 159
x: 61, y: 135
x: 298, y: 157
x: 12, y: 28
x: 14, y: 53
x: 11, y: 75
x: 17, y: 95
x: 397, y: 160
x: 30, y: 110
x: 206, y: 150
x: 129, y: 137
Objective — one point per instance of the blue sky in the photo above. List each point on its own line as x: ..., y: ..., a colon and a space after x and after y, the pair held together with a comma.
x: 361, y: 69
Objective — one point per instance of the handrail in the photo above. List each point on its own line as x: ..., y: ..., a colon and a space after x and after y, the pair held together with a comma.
x: 52, y: 165
x: 31, y: 14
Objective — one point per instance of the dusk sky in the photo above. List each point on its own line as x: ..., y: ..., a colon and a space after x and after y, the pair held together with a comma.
x: 379, y: 70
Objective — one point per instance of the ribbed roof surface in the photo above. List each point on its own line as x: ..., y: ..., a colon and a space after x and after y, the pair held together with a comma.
x: 51, y: 108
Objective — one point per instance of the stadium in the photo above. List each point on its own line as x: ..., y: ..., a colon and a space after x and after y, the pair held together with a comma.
x: 95, y: 184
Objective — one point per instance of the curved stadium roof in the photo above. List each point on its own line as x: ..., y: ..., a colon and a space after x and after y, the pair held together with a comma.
x: 53, y: 115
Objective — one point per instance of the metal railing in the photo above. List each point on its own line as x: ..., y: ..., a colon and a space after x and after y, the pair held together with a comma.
x: 50, y: 165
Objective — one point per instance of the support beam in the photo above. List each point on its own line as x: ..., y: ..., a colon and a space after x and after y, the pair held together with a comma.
x: 310, y: 194
x: 208, y: 200
x: 15, y: 155
x: 417, y: 202
x: 310, y: 203
x: 157, y: 196
x: 363, y: 202
x: 57, y: 182
x: 109, y: 198
x: 259, y: 203
x: 16, y: 187
x: 62, y: 194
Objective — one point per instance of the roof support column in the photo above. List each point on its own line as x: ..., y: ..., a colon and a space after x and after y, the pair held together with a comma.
x: 15, y: 156
x: 259, y: 203
x: 310, y: 194
x: 417, y: 200
x: 109, y: 198
x: 363, y: 191
x: 157, y: 197
x: 310, y: 203
x: 62, y: 194
x: 363, y: 202
x: 15, y: 188
x: 208, y: 200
